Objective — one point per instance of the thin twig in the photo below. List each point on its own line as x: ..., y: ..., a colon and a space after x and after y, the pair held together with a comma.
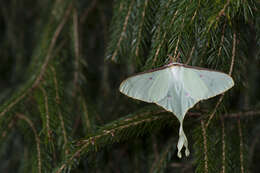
x: 177, y: 44
x: 46, y: 106
x: 37, y: 139
x: 140, y: 30
x: 241, y: 146
x: 159, y: 48
x: 164, y: 36
x: 230, y: 72
x: 76, y: 49
x: 123, y: 31
x: 222, y: 39
x: 59, y: 112
x: 53, y: 42
x: 222, y: 11
x: 233, y: 53
x: 72, y: 157
x: 223, y: 145
x: 85, y: 112
x: 215, y: 110
x: 192, y: 50
x: 176, y: 48
x: 205, y: 146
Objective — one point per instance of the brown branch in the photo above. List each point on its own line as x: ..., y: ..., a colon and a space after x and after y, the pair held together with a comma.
x: 222, y: 39
x: 177, y: 44
x: 72, y: 157
x: 176, y: 48
x: 76, y: 49
x: 159, y: 48
x: 189, y: 59
x: 85, y: 112
x: 164, y: 36
x: 13, y: 103
x: 57, y: 96
x: 222, y: 11
x: 140, y: 30
x: 230, y: 72
x: 223, y: 145
x: 53, y: 42
x: 37, y: 139
x: 194, y: 15
x: 215, y: 109
x: 46, y: 112
x: 233, y: 53
x: 241, y: 146
x: 205, y: 146
x: 123, y: 31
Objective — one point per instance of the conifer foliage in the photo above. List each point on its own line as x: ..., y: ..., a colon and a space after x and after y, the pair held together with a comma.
x: 61, y: 63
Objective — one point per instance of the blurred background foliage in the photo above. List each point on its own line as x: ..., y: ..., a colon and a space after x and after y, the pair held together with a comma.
x: 62, y: 61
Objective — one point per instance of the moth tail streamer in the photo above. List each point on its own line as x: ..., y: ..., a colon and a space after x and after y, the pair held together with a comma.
x: 182, y: 142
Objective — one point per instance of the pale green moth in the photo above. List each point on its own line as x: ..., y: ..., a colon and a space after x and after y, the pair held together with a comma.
x: 177, y: 87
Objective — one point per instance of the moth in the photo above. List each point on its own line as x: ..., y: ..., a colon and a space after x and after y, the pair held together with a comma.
x: 177, y: 87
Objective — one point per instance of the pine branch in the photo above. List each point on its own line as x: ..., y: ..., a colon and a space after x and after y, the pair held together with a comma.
x: 133, y: 125
x: 39, y: 80
x: 35, y: 82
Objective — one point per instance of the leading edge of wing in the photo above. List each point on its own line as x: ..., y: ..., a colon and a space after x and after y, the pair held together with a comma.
x: 174, y: 64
